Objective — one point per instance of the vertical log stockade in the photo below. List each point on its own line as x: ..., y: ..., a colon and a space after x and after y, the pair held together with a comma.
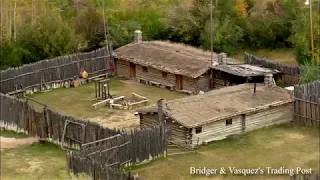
x: 130, y: 147
x: 47, y: 73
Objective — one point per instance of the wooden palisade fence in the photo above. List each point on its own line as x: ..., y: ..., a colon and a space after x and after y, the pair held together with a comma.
x: 307, y: 104
x: 129, y: 147
x: 57, y: 70
x: 290, y: 76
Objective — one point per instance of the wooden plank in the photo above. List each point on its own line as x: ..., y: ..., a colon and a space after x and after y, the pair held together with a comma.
x: 101, y: 102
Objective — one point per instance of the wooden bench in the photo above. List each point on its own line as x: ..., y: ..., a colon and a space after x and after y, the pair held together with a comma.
x: 154, y: 83
x: 169, y: 86
x: 141, y: 80
x: 185, y: 91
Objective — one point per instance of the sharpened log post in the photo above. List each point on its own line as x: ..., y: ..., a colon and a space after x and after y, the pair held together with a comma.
x: 108, y: 84
x: 99, y: 90
x: 95, y: 87
x: 161, y: 115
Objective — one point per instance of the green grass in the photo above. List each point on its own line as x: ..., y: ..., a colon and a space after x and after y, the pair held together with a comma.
x: 284, y: 56
x: 77, y: 102
x: 34, y: 162
x: 12, y: 134
x: 276, y: 146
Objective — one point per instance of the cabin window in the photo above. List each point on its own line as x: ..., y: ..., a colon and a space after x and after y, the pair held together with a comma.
x: 164, y: 74
x: 228, y: 122
x: 198, y: 130
x: 144, y: 69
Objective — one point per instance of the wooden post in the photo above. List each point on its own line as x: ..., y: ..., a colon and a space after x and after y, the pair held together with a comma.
x: 99, y: 89
x: 108, y: 84
x: 311, y: 34
x: 95, y: 88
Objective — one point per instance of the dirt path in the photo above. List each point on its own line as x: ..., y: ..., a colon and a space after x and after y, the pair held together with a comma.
x: 8, y: 143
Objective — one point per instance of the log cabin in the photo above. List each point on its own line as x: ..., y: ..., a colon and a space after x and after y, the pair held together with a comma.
x: 171, y: 65
x: 220, y: 113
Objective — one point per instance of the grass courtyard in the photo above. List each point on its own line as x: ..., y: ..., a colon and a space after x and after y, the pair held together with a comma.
x: 77, y: 102
x: 276, y: 146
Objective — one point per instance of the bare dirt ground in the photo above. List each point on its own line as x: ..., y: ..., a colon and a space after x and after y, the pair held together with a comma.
x: 78, y: 102
x: 9, y: 143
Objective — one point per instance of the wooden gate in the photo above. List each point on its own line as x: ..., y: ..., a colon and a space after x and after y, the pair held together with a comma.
x: 179, y: 81
x: 132, y: 70
x: 78, y: 137
x: 108, y: 153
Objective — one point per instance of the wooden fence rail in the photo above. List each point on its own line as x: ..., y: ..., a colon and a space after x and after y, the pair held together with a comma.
x: 307, y: 104
x: 55, y: 70
x: 291, y: 74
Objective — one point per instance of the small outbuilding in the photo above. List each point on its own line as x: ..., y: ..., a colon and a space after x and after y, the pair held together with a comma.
x: 220, y: 113
x: 233, y: 74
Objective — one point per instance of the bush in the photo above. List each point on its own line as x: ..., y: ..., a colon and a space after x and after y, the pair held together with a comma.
x: 309, y: 73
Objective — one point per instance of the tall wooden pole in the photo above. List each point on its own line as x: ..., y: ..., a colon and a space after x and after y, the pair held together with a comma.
x: 211, y: 46
x: 15, y: 21
x: 1, y: 28
x: 311, y: 33
x: 107, y: 35
x: 10, y: 23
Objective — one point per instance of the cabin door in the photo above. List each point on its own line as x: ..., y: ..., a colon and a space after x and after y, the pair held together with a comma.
x: 132, y: 70
x: 179, y: 82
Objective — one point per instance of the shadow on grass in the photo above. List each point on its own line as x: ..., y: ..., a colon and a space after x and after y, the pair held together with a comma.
x: 12, y: 134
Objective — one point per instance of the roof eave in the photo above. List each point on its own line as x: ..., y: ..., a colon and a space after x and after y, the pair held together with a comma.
x: 136, y: 61
x: 278, y: 103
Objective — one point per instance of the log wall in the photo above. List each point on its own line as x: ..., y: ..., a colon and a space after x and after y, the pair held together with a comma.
x: 203, y: 83
x: 178, y: 134
x: 155, y: 75
x: 189, y: 84
x: 149, y: 120
x: 217, y: 130
x: 123, y: 68
x: 243, y: 123
x: 271, y: 116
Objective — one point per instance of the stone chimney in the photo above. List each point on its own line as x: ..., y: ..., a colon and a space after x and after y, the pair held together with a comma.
x: 137, y: 36
x: 222, y: 59
x: 268, y: 80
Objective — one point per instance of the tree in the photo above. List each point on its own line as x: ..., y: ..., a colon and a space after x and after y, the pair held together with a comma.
x: 47, y: 38
x: 89, y: 23
x: 227, y: 36
x: 301, y: 38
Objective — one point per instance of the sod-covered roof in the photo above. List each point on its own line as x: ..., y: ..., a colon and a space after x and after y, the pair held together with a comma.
x: 224, y: 103
x: 245, y: 70
x: 169, y: 57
